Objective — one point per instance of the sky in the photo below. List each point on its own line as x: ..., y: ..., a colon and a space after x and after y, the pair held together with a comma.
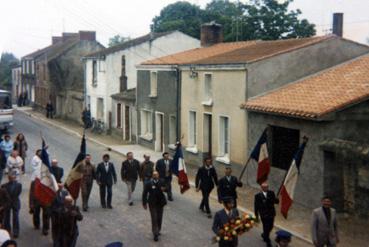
x: 27, y: 25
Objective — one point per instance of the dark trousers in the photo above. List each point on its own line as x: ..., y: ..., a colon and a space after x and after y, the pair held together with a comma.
x: 45, y: 218
x: 86, y: 187
x: 205, y: 201
x: 105, y: 189
x: 14, y: 213
x: 49, y: 114
x: 56, y: 234
x: 168, y: 183
x: 233, y: 243
x: 156, y: 218
x: 70, y: 240
x: 268, y: 224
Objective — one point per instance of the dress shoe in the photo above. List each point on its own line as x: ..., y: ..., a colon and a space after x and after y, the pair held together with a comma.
x: 131, y: 204
x: 156, y: 238
x: 209, y: 215
x: 45, y: 233
x: 103, y: 206
x: 85, y: 209
x: 170, y: 199
x: 110, y: 207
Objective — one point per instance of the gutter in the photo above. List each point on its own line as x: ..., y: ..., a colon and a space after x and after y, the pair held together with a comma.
x: 178, y: 103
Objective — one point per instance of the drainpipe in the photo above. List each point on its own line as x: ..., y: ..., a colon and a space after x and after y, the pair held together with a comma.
x: 84, y: 83
x: 178, y: 78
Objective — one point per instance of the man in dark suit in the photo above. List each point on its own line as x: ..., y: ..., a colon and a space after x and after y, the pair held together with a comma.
x: 164, y: 167
x: 70, y: 215
x: 105, y: 177
x: 222, y: 217
x: 129, y: 173
x: 14, y: 190
x: 4, y: 203
x: 57, y: 208
x: 36, y: 210
x: 206, y: 178
x: 264, y: 208
x: 227, y: 186
x: 57, y: 171
x: 154, y: 196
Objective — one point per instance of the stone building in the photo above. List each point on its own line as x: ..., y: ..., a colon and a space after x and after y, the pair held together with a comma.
x: 17, y: 85
x: 330, y: 107
x: 56, y: 73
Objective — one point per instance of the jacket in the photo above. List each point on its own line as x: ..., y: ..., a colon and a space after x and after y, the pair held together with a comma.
x: 163, y: 171
x: 130, y: 170
x: 206, y: 178
x: 228, y: 188
x: 146, y: 170
x: 153, y: 193
x: 14, y: 190
x: 58, y: 173
x: 265, y: 206
x: 220, y: 219
x: 106, y: 178
x: 323, y: 232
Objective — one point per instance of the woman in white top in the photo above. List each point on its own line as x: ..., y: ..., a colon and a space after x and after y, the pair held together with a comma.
x: 36, y: 165
x: 14, y: 163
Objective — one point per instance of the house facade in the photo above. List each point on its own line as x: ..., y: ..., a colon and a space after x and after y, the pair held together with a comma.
x: 330, y: 108
x: 213, y: 79
x: 111, y: 78
x: 17, y: 86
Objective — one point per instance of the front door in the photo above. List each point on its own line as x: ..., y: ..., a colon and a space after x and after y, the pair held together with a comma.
x: 207, y: 129
x: 127, y: 121
x: 159, y: 132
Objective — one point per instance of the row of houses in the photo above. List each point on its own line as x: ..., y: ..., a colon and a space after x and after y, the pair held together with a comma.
x: 217, y: 98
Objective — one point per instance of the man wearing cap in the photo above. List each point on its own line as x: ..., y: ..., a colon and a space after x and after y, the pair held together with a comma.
x: 222, y: 217
x: 324, y: 230
x: 146, y: 169
x: 283, y: 238
x: 154, y: 196
x: 14, y: 190
x: 264, y: 208
x: 227, y: 186
x: 57, y: 171
x: 88, y: 171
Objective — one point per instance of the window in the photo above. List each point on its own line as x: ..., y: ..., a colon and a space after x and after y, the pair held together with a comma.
x: 172, y: 130
x: 192, y: 129
x: 153, y: 84
x: 208, y: 94
x: 32, y: 67
x: 24, y: 67
x: 88, y: 103
x: 27, y: 66
x: 100, y: 108
x: 94, y: 73
x: 146, y: 124
x: 119, y: 115
x: 224, y: 144
x: 283, y: 145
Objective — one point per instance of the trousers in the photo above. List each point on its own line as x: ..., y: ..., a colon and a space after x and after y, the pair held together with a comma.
x: 106, y: 194
x: 12, y: 215
x: 131, y: 185
x: 86, y: 187
x: 156, y: 218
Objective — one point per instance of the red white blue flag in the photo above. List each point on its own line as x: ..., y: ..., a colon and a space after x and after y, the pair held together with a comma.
x: 179, y: 169
x: 289, y: 184
x: 45, y: 183
x: 260, y: 154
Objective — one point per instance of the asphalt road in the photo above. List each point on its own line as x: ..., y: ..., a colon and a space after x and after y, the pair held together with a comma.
x: 183, y: 224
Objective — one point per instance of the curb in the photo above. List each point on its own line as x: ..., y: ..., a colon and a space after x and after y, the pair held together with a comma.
x: 295, y: 234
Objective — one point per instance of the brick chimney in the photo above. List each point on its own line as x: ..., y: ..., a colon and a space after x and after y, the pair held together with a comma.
x: 56, y: 39
x: 67, y: 36
x: 87, y: 35
x: 338, y: 24
x: 211, y: 33
x: 123, y: 77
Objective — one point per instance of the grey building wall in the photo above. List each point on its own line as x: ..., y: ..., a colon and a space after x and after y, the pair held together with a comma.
x: 350, y: 124
x: 274, y: 72
x: 165, y: 102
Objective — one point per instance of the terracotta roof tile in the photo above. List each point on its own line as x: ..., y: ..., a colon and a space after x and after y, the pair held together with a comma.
x: 236, y: 52
x: 318, y: 95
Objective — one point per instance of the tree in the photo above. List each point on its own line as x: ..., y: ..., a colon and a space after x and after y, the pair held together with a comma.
x: 258, y: 19
x: 7, y: 62
x: 117, y: 39
x: 182, y: 16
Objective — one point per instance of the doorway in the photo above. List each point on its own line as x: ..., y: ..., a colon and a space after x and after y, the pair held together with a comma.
x: 159, y: 132
x: 207, y: 135
x: 127, y: 126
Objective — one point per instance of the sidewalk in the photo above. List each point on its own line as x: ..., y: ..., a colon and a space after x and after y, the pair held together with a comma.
x: 352, y: 231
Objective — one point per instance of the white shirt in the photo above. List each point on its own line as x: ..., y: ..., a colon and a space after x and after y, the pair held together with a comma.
x: 14, y: 164
x: 265, y: 194
x: 4, y: 236
x: 106, y: 167
x: 36, y: 167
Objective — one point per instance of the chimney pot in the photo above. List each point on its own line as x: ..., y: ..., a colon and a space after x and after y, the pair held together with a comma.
x: 211, y: 33
x: 338, y: 24
x: 87, y: 35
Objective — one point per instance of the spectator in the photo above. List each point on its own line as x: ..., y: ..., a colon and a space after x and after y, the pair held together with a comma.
x: 7, y: 145
x: 21, y: 146
x: 14, y: 163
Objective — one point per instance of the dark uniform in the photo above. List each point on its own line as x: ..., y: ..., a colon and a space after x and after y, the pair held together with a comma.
x: 56, y: 217
x: 69, y: 218
x: 223, y: 217
x: 227, y: 188
x: 35, y: 210
x: 4, y: 203
x: 154, y: 196
x: 164, y: 168
x: 58, y: 173
x: 88, y: 177
x: 49, y: 110
x: 264, y: 207
x: 14, y: 190
x: 146, y: 170
x: 206, y: 178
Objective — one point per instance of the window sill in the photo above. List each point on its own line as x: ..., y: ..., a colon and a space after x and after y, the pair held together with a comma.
x: 153, y: 96
x: 223, y: 159
x: 207, y: 102
x: 192, y: 150
x: 172, y: 146
x: 147, y: 137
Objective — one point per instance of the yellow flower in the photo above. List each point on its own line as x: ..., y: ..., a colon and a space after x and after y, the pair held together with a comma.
x: 226, y: 228
x: 252, y: 222
x: 234, y: 233
x: 218, y: 239
x: 247, y: 225
x: 238, y: 222
x: 225, y: 238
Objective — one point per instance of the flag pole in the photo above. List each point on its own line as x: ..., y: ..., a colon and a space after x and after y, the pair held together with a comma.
x: 244, y: 169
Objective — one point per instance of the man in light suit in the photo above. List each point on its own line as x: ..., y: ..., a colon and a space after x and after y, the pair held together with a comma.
x: 105, y: 177
x: 324, y: 229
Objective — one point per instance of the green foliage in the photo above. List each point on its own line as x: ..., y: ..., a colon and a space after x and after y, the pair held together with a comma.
x: 117, y: 39
x: 7, y: 62
x: 258, y: 19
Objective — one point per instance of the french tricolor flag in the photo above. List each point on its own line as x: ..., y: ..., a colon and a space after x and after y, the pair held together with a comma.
x: 179, y: 169
x: 45, y: 183
x: 260, y: 154
x: 288, y: 187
